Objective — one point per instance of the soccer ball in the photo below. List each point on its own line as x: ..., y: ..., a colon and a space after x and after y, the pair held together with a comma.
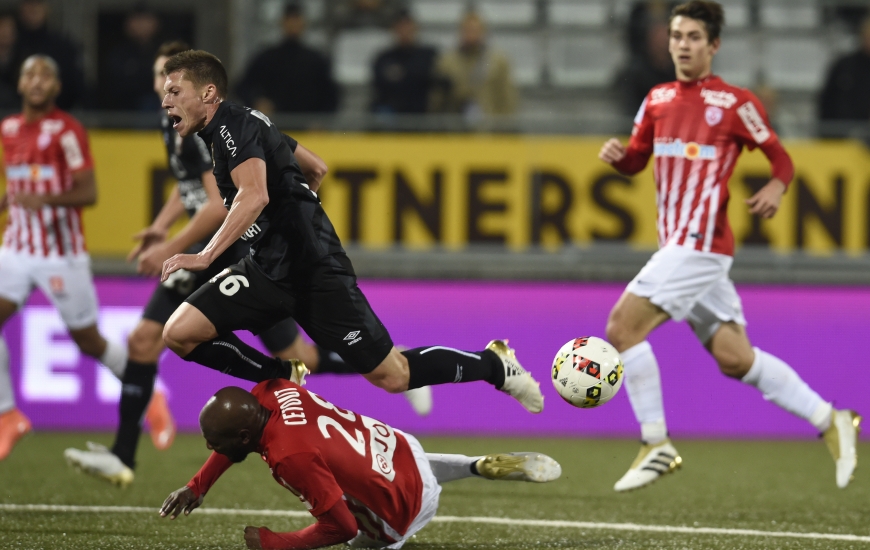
x: 587, y: 372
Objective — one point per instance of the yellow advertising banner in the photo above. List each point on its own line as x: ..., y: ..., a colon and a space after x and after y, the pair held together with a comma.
x: 421, y: 191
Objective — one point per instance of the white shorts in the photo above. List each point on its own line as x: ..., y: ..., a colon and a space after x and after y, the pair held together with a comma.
x: 691, y: 285
x: 66, y: 281
x: 428, y: 504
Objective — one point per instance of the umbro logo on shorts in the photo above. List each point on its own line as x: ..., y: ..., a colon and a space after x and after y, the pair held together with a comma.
x: 353, y: 337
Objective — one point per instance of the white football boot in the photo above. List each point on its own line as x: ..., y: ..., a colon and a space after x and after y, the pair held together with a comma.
x: 518, y: 383
x: 535, y: 467
x: 652, y: 462
x: 420, y: 400
x: 100, y: 462
x: 841, y: 438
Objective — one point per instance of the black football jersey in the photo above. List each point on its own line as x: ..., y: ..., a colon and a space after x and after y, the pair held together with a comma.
x: 292, y: 233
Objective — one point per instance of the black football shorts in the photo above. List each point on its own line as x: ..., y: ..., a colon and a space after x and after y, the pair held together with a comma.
x: 325, y: 300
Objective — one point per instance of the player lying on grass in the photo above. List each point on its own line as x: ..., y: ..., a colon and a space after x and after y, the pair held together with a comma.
x: 696, y: 128
x: 366, y: 483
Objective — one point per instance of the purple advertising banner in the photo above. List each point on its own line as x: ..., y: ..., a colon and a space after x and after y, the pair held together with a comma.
x: 821, y: 332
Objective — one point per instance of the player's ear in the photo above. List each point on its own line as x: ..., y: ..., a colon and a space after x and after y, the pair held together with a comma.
x: 714, y: 45
x: 209, y: 93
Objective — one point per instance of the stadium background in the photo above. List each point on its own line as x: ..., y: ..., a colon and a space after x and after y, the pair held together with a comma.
x: 507, y: 226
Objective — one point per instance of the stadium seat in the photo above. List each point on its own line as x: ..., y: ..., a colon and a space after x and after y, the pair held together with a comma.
x: 737, y: 61
x: 442, y: 40
x: 314, y: 10
x: 736, y: 13
x: 508, y: 13
x: 438, y: 12
x: 524, y: 51
x: 586, y: 13
x: 584, y: 59
x: 790, y: 14
x: 795, y: 63
x: 354, y: 52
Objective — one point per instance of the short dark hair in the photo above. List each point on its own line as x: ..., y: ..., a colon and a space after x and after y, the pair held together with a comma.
x: 200, y: 67
x: 168, y: 49
x: 709, y: 13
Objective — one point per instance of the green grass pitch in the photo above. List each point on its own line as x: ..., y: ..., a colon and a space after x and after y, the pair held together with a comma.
x: 781, y: 486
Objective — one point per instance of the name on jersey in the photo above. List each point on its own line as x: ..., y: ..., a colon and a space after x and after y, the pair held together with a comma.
x: 32, y: 172
x: 228, y: 139
x: 251, y: 232
x: 662, y: 95
x: 725, y: 100
x: 291, y: 406
x: 691, y: 150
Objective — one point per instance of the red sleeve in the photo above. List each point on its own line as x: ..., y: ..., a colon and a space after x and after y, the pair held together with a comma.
x: 752, y: 129
x: 213, y: 468
x: 640, y: 147
x: 75, y: 147
x: 334, y: 526
x: 308, y: 477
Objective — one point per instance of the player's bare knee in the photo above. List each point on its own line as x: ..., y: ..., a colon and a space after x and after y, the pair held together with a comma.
x: 617, y: 334
x: 733, y: 365
x: 89, y: 342
x: 393, y: 384
x: 144, y: 346
x: 175, y: 339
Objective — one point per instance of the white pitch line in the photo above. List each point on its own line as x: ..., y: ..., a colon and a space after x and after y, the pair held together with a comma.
x: 457, y: 519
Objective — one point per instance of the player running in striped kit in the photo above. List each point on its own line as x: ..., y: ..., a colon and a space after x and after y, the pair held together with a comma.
x: 49, y: 179
x: 696, y: 128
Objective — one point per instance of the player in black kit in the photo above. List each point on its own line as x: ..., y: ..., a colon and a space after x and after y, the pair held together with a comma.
x: 196, y: 194
x: 297, y: 265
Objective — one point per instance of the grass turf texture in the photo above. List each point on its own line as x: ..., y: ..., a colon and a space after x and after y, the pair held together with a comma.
x: 769, y: 486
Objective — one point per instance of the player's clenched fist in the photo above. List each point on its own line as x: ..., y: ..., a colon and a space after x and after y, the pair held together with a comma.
x: 182, y: 500
x: 612, y: 151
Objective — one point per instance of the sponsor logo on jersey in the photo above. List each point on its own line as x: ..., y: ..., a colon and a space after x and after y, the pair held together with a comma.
x: 691, y: 150
x: 662, y: 95
x: 11, y: 126
x: 33, y: 172
x: 51, y: 126
x: 228, y: 139
x: 754, y: 122
x: 726, y: 100
x: 713, y: 115
x: 43, y: 141
x: 251, y: 232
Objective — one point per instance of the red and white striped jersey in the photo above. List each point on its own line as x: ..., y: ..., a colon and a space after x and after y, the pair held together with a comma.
x: 41, y: 157
x: 696, y: 130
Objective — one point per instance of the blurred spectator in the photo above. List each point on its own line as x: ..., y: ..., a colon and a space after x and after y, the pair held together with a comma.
x: 9, y: 63
x: 127, y: 84
x: 649, y: 61
x: 845, y: 100
x: 34, y: 37
x: 290, y: 77
x: 403, y: 73
x: 355, y: 14
x: 474, y: 79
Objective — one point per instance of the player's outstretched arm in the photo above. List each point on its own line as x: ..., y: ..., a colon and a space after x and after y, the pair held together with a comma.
x: 183, y: 500
x: 313, y: 167
x: 335, y: 526
x: 250, y: 178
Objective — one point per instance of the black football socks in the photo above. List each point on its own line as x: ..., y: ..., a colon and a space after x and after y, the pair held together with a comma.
x: 137, y: 385
x: 331, y: 362
x: 442, y: 365
x: 229, y: 355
